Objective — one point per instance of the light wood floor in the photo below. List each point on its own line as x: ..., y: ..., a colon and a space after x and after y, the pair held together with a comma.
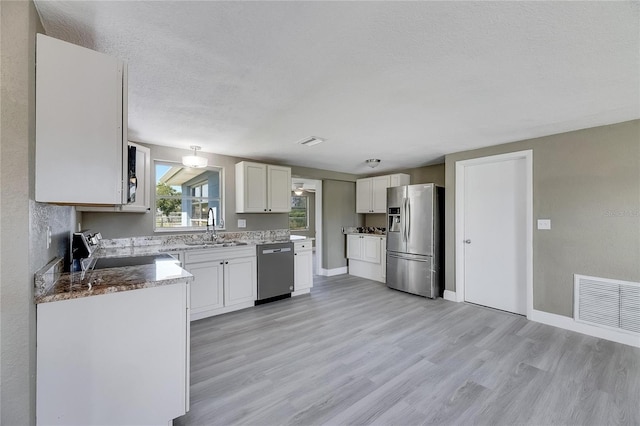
x: 356, y: 352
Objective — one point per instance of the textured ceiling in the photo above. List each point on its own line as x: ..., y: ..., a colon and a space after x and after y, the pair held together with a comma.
x: 406, y: 82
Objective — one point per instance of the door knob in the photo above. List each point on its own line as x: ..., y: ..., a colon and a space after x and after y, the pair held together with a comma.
x: 467, y: 241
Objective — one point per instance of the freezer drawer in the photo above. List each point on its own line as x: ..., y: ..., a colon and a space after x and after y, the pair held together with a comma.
x: 413, y: 274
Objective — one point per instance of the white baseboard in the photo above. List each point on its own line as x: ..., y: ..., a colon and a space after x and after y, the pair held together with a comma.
x: 334, y: 271
x: 590, y: 330
x: 299, y: 292
x: 450, y: 295
x: 209, y: 313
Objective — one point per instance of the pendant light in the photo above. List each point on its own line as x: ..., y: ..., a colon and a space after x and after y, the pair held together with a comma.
x: 193, y: 160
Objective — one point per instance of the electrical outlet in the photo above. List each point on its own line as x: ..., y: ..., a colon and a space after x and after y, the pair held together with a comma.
x: 544, y: 224
x: 242, y: 223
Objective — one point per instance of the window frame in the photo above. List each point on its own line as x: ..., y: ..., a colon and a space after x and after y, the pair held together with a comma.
x: 220, y: 223
x: 306, y: 216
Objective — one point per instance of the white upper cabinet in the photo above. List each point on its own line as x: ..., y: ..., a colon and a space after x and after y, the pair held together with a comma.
x: 399, y: 179
x: 142, y: 204
x: 371, y: 193
x: 143, y: 176
x: 278, y: 189
x: 262, y: 188
x: 81, y: 125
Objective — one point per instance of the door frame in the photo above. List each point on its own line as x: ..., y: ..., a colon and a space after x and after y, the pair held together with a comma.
x: 317, y: 183
x: 459, y: 230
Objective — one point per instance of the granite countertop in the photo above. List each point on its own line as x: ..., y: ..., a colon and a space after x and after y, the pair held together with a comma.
x: 73, y: 285
x: 52, y: 284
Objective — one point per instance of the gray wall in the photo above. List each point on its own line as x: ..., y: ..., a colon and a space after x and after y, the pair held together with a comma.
x: 338, y: 210
x: 23, y: 222
x: 588, y: 183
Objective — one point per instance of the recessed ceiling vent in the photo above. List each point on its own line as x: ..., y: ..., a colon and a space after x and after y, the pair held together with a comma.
x: 311, y: 141
x: 607, y: 303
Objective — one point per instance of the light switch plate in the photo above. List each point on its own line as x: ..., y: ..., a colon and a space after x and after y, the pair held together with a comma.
x: 242, y: 223
x: 544, y: 223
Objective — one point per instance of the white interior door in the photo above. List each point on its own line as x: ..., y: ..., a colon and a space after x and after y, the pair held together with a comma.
x: 495, y: 233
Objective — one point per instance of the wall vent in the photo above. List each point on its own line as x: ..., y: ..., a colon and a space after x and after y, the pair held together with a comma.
x: 607, y: 303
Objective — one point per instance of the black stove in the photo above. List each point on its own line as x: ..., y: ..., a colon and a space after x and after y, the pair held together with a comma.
x: 120, y: 262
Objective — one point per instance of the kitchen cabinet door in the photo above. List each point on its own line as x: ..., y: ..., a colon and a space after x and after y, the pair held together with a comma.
x: 240, y: 280
x: 363, y: 195
x: 399, y: 179
x: 278, y: 189
x: 81, y: 125
x: 114, y: 359
x: 303, y: 266
x: 251, y: 187
x: 371, y: 249
x: 379, y: 185
x: 143, y: 174
x: 207, y: 288
x: 354, y: 247
x: 143, y: 191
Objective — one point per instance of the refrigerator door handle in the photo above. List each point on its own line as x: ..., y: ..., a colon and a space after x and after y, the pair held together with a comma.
x: 405, y: 235
x: 408, y: 218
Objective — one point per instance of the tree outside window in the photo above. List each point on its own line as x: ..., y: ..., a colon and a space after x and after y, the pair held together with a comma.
x: 298, y: 217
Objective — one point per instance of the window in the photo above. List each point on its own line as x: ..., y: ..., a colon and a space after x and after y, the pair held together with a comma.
x: 184, y: 196
x: 298, y: 217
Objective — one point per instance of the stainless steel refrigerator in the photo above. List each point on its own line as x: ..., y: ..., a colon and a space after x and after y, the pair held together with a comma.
x: 415, y: 236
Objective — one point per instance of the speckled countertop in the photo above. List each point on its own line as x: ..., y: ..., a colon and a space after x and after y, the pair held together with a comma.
x: 73, y: 285
x: 52, y: 284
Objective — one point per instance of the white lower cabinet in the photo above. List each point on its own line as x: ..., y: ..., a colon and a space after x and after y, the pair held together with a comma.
x: 303, y: 267
x: 116, y: 359
x: 225, y: 280
x: 367, y: 256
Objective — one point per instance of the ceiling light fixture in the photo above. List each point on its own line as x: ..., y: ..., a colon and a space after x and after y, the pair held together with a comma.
x: 373, y: 162
x: 310, y: 141
x: 193, y: 160
x: 298, y: 189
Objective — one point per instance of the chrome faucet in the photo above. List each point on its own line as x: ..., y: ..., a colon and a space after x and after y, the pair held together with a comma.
x: 211, y: 223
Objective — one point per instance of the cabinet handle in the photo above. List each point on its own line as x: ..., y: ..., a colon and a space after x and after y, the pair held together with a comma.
x: 295, y: 254
x: 269, y: 209
x: 222, y: 263
x: 226, y: 263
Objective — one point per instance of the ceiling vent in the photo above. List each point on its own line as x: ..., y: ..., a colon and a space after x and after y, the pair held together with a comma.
x: 311, y: 141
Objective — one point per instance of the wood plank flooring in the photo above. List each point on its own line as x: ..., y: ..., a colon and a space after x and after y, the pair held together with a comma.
x: 356, y: 352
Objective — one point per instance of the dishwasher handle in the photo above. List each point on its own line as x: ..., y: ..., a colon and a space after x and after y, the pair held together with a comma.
x: 275, y: 251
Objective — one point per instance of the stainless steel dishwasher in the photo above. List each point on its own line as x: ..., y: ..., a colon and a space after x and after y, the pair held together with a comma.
x: 275, y: 270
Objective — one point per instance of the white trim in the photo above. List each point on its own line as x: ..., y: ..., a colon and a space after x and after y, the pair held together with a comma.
x: 450, y: 295
x: 213, y: 312
x: 299, y: 292
x: 568, y: 323
x: 332, y: 272
x: 319, y: 240
x: 527, y: 155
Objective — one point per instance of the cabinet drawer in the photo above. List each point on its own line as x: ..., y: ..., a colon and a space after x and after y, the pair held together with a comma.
x: 208, y: 255
x: 306, y: 246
